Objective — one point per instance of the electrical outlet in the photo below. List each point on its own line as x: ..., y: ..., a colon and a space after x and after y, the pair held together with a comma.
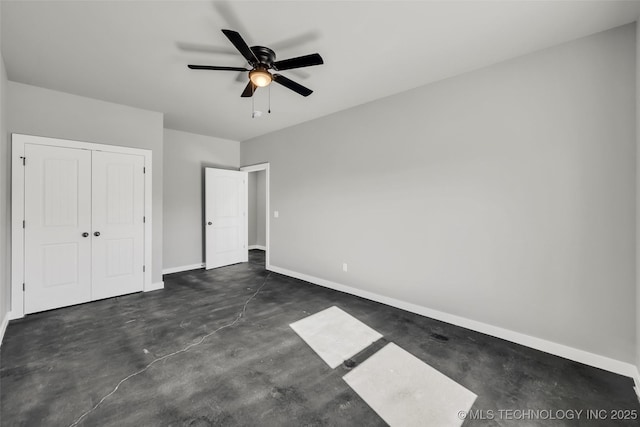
x: 344, y: 267
x: 276, y: 214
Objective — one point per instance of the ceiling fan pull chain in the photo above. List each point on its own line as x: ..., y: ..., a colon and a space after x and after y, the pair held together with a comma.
x: 253, y: 107
x: 269, y: 111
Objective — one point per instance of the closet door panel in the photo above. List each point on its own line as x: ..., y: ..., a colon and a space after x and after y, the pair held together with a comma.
x: 118, y: 228
x: 57, y: 225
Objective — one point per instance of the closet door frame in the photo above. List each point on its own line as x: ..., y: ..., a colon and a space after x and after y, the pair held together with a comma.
x: 18, y: 142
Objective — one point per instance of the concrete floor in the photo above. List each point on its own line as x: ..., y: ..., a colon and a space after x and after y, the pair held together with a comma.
x: 58, y: 365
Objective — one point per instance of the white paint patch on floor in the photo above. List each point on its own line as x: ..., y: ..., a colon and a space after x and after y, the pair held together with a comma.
x: 335, y: 335
x: 405, y: 391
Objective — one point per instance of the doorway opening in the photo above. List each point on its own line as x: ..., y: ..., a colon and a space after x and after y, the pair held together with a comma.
x: 258, y: 213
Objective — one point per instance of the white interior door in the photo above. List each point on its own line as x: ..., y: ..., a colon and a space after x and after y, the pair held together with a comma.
x: 118, y: 224
x: 225, y: 217
x: 57, y: 224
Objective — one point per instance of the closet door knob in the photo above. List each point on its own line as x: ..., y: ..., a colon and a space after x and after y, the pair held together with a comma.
x: 85, y: 234
x: 209, y: 223
x: 97, y: 233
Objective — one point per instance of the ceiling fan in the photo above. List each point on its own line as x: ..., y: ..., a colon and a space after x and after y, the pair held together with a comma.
x: 262, y: 59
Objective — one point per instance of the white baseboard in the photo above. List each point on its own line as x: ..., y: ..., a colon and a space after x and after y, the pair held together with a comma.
x: 262, y: 248
x: 3, y: 325
x: 154, y: 287
x: 182, y: 268
x: 636, y: 380
x: 596, y: 360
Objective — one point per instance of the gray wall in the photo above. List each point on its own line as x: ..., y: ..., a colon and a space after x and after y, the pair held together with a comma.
x: 43, y: 112
x: 5, y: 203
x: 257, y: 203
x: 186, y: 156
x: 261, y: 200
x: 252, y: 197
x: 638, y: 198
x: 505, y: 195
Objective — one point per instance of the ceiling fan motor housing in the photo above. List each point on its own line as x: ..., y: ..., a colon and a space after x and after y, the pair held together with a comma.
x: 265, y: 55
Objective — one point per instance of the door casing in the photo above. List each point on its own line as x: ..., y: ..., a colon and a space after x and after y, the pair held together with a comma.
x: 18, y: 142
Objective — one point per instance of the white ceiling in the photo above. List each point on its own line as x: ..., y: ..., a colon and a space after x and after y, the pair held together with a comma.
x: 136, y: 52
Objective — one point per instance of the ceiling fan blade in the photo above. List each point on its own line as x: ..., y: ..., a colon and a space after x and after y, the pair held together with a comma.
x: 249, y: 90
x: 237, y: 40
x: 299, y: 62
x: 215, y: 67
x: 288, y: 83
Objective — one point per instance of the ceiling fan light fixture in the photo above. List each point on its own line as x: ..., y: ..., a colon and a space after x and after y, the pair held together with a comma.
x: 260, y: 78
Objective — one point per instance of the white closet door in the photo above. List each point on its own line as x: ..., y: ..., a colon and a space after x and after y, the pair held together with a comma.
x: 118, y: 229
x: 226, y: 217
x: 57, y: 213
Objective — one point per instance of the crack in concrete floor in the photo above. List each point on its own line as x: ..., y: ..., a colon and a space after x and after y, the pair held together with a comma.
x: 166, y: 356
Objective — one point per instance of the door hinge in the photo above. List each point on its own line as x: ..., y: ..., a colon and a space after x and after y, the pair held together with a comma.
x: 23, y: 223
x: 144, y: 267
x: 144, y: 169
x: 23, y: 287
x: 24, y: 160
x: 144, y: 219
